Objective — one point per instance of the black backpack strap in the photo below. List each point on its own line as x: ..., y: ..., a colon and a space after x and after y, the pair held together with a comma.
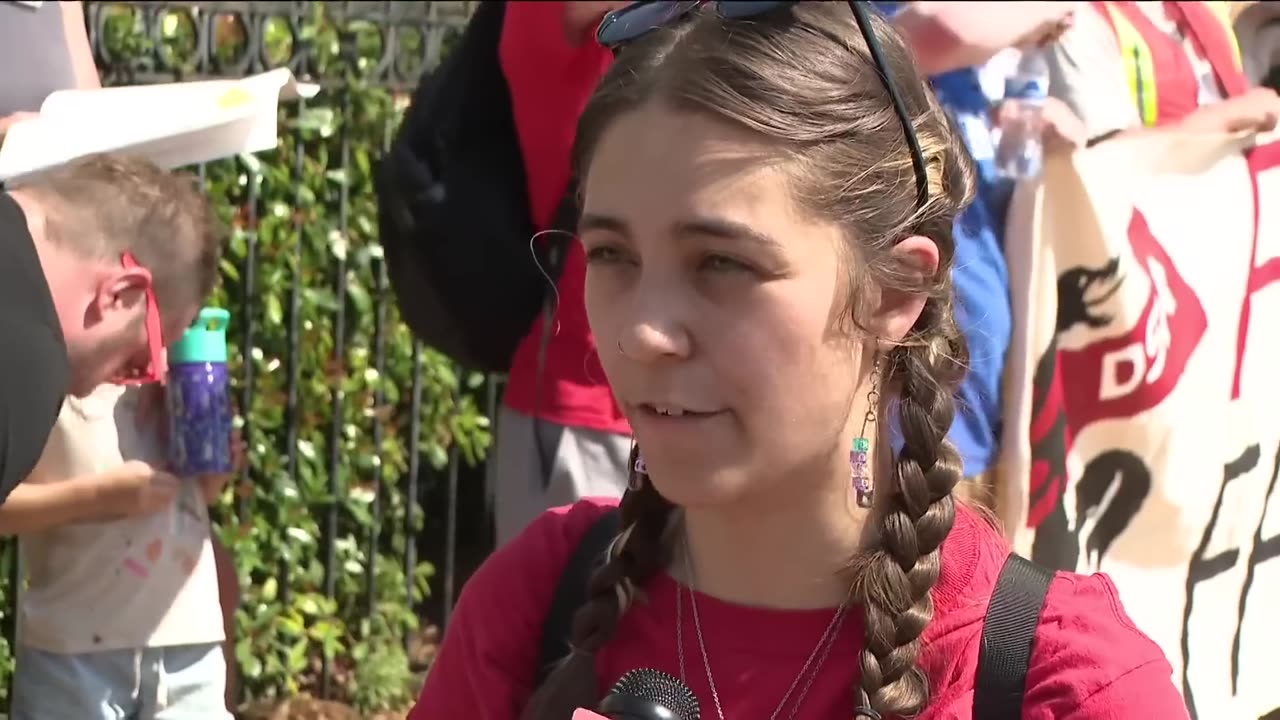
x: 571, y: 592
x: 1008, y: 633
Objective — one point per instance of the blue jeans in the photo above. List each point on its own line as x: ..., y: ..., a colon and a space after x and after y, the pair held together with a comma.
x: 183, y: 682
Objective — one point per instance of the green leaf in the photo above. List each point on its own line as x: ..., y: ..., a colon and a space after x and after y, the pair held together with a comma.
x: 298, y: 655
x: 269, y: 589
x: 275, y: 311
x: 317, y: 119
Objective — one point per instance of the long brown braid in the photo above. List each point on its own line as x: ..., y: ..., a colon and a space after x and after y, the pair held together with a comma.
x: 641, y: 554
x: 801, y: 77
x: 899, y: 568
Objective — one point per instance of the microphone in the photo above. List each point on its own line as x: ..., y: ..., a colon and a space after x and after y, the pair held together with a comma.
x: 645, y: 694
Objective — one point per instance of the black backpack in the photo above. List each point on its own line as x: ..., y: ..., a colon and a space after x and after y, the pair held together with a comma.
x: 453, y: 209
x: 1008, y: 629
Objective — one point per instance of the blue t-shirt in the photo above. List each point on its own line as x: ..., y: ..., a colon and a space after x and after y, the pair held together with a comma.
x: 980, y: 275
x: 981, y: 278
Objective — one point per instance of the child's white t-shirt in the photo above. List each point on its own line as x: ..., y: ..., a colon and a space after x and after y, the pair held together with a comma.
x: 147, y: 581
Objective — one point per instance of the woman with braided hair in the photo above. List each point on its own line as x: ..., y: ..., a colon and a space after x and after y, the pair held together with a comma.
x: 768, y: 198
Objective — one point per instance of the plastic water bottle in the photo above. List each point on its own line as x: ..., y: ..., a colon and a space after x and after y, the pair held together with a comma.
x: 1021, y: 148
x: 199, y: 398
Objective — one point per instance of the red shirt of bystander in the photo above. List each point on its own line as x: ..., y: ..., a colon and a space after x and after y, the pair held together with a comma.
x: 551, y: 81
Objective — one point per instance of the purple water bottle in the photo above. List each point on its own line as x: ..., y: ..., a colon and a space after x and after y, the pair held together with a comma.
x: 199, y: 398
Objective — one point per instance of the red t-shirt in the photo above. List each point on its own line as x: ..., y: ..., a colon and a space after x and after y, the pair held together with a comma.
x: 550, y: 83
x: 1089, y: 661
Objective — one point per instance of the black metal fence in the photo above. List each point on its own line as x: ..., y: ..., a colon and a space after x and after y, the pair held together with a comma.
x: 365, y: 447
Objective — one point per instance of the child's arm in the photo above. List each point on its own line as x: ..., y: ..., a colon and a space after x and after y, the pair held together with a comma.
x: 33, y: 507
x: 133, y: 488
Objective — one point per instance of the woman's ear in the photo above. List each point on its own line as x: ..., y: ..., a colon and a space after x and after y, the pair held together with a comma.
x: 898, y: 310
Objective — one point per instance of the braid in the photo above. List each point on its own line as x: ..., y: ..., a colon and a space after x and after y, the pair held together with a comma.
x: 914, y: 514
x: 636, y: 555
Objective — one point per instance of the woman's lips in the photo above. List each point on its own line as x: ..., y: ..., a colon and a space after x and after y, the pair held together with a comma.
x: 672, y: 416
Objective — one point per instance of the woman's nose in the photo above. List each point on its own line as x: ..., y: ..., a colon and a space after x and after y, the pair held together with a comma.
x: 651, y: 342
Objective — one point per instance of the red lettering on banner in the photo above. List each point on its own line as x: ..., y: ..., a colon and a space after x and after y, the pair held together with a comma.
x: 1259, y: 160
x: 1127, y: 374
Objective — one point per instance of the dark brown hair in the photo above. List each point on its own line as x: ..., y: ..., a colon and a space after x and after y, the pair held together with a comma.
x: 802, y: 78
x: 100, y: 206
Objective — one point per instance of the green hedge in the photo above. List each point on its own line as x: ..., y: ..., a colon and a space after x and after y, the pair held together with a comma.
x: 273, y: 522
x: 299, y: 234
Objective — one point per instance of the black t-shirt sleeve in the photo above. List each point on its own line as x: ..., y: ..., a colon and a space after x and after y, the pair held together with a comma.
x: 34, y: 377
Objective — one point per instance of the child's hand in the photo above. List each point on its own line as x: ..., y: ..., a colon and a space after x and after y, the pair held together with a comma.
x: 137, y: 488
x: 211, y: 485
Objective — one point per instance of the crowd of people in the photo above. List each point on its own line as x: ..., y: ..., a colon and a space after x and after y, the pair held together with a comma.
x: 768, y: 396
x: 722, y: 155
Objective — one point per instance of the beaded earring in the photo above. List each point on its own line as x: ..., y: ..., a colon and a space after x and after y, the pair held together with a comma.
x: 639, y: 473
x: 862, y: 483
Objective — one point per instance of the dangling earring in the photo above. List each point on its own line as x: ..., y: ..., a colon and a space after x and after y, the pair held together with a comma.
x: 862, y: 484
x: 639, y: 473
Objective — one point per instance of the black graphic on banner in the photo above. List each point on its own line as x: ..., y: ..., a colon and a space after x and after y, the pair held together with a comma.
x: 1108, y: 496
x: 1205, y: 567
x: 1080, y: 291
x: 1053, y: 545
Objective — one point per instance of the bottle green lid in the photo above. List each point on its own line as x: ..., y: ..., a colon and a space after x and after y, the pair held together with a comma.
x: 205, y: 341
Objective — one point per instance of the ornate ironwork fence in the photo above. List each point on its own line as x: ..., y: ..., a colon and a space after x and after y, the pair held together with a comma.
x: 362, y: 443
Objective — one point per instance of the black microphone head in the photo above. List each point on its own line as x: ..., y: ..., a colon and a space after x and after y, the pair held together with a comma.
x: 648, y: 694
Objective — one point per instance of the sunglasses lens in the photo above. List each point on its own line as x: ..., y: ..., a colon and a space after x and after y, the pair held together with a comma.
x: 631, y: 22
x: 739, y: 9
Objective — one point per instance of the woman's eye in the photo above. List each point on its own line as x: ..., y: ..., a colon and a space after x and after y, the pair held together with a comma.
x: 722, y: 263
x: 603, y: 254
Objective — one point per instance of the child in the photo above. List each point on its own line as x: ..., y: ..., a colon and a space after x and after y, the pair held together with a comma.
x: 121, y: 618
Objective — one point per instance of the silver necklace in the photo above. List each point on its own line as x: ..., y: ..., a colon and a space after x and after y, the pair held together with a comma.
x: 819, y: 654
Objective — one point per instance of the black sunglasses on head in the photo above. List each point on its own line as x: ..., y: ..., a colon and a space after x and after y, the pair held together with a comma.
x: 622, y: 26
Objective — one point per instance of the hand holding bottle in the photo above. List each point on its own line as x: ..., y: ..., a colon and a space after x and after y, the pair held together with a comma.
x: 136, y: 488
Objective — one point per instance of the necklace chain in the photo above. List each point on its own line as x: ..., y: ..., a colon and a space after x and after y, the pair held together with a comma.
x: 819, y: 653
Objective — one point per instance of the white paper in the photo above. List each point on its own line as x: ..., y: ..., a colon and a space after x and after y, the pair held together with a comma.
x: 172, y: 125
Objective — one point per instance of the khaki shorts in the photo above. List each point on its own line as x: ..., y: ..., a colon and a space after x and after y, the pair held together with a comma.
x: 542, y: 465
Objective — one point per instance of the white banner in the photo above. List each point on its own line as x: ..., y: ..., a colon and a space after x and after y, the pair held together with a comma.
x: 1142, y: 413
x: 172, y: 125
